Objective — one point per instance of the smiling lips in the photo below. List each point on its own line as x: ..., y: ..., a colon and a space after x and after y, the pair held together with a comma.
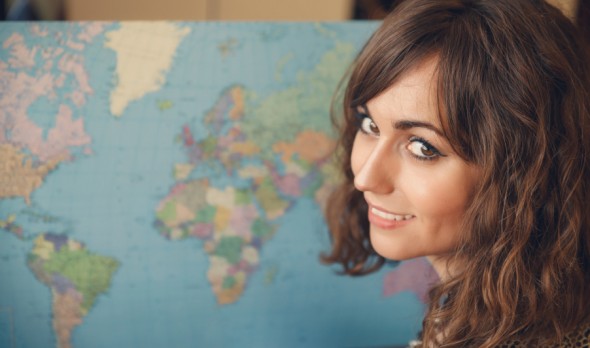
x: 387, y: 220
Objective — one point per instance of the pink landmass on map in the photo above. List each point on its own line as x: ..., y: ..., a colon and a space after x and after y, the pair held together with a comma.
x: 289, y: 184
x: 202, y: 230
x: 416, y: 275
x: 52, y: 52
x: 23, y: 90
x: 22, y: 57
x: 91, y: 29
x: 66, y: 133
x: 37, y: 31
x: 233, y: 135
x: 67, y: 314
x: 242, y: 218
x: 175, y: 190
x: 73, y: 65
x: 75, y: 45
x: 243, y: 265
x: 60, y: 80
x: 78, y: 98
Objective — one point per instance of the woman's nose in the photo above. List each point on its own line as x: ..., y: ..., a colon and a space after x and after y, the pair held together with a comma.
x: 376, y: 171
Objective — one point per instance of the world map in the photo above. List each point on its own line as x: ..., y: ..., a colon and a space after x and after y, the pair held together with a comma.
x: 162, y: 184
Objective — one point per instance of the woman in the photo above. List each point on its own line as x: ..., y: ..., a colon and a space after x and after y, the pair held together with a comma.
x: 466, y: 139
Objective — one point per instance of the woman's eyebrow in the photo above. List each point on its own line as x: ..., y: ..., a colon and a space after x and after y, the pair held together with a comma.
x: 407, y: 124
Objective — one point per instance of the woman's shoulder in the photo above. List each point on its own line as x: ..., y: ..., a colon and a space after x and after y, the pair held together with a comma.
x: 579, y: 337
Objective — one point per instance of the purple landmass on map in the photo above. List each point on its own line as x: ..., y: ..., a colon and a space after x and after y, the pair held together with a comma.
x: 58, y: 240
x: 60, y: 283
x: 416, y: 275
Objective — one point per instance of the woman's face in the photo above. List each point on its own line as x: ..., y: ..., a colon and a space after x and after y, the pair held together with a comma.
x: 416, y: 187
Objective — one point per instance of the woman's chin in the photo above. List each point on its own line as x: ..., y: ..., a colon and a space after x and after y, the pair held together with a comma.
x: 392, y: 249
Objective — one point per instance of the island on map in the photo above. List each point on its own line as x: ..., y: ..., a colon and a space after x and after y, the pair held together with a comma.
x: 145, y: 53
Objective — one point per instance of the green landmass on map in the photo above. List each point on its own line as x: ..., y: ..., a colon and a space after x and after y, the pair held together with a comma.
x: 75, y: 276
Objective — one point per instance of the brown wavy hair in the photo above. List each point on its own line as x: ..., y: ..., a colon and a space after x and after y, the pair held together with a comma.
x: 514, y: 89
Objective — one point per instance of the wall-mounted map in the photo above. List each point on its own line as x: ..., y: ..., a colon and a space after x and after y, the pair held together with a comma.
x: 162, y: 183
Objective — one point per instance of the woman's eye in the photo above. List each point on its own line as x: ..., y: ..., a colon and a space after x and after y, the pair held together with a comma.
x: 368, y: 126
x: 422, y: 150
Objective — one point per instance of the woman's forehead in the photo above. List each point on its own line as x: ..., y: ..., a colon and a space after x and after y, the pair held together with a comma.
x: 415, y: 73
x: 415, y: 91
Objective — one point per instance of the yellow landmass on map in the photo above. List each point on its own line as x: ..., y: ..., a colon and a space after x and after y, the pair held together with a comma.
x: 269, y: 200
x: 73, y: 245
x: 332, y: 176
x: 183, y: 170
x: 43, y: 248
x: 246, y: 148
x: 252, y: 172
x: 183, y: 214
x: 238, y: 110
x: 18, y: 176
x: 145, y: 51
x: 221, y: 198
x: 222, y: 216
x: 251, y: 255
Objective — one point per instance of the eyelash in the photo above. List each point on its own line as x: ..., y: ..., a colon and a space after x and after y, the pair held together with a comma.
x: 360, y: 117
x: 428, y: 146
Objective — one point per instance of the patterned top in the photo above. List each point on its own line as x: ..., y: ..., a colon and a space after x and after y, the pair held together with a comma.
x: 578, y: 338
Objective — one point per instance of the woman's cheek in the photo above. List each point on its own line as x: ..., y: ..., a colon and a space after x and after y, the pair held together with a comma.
x: 360, y: 152
x: 433, y: 194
